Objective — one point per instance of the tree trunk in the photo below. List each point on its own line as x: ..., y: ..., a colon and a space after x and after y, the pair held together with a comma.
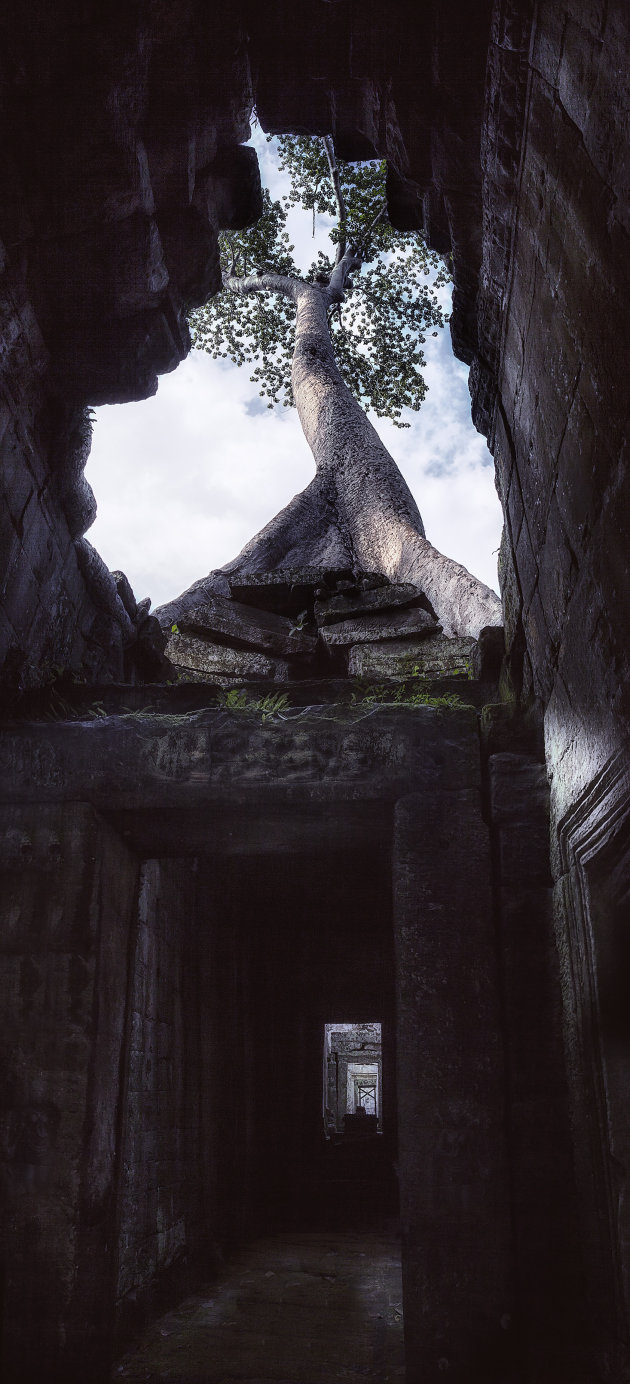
x: 358, y: 511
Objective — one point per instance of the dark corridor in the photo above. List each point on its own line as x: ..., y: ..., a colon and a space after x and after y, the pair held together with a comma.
x: 280, y: 944
x: 295, y: 940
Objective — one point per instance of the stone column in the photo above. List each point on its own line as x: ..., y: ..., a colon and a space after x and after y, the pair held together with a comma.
x: 67, y: 888
x: 342, y: 1091
x: 160, y: 1203
x: 549, y: 1272
x: 452, y: 1160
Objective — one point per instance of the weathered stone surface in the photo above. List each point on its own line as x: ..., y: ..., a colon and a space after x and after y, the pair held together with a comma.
x: 434, y: 657
x: 384, y: 597
x: 256, y: 629
x: 211, y: 756
x: 551, y: 390
x: 454, y: 1161
x: 297, y: 1282
x: 285, y: 590
x: 68, y: 891
x: 543, y: 1181
x: 160, y: 1191
x: 222, y: 663
x: 489, y: 653
x: 382, y: 625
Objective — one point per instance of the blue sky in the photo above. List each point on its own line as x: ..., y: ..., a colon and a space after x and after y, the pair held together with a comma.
x: 185, y: 479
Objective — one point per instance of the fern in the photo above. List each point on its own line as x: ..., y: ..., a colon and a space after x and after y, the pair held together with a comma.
x: 236, y: 699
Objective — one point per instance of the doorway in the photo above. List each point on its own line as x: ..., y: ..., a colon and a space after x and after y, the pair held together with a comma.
x: 353, y: 1079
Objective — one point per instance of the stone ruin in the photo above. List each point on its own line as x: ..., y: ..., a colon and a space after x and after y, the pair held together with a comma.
x: 312, y: 622
x: 385, y: 822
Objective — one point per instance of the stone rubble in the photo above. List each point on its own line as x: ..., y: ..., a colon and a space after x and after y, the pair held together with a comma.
x: 235, y: 640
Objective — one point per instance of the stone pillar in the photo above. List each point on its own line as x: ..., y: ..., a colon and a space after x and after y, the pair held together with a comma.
x: 591, y: 857
x: 452, y: 1160
x: 342, y: 1091
x: 68, y: 887
x: 549, y: 1273
x: 160, y: 1203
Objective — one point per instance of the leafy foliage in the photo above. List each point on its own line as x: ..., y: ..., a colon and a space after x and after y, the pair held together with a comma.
x: 253, y: 329
x: 389, y: 304
x: 408, y: 696
x: 237, y: 699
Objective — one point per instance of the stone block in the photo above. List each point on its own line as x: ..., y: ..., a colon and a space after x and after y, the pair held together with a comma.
x: 222, y: 663
x: 526, y: 561
x: 452, y: 1152
x: 19, y: 595
x: 488, y: 653
x: 137, y: 274
x: 69, y: 883
x: 378, y: 626
x: 18, y: 483
x: 519, y: 788
x: 116, y: 362
x: 541, y: 647
x: 7, y: 636
x: 343, y: 607
x: 235, y: 180
x: 524, y: 852
x: 191, y: 252
x: 256, y: 629
x: 557, y: 572
x: 435, y: 657
x: 515, y: 505
x: 510, y: 590
x: 287, y: 590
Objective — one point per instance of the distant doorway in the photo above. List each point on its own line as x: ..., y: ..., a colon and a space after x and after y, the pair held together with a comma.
x: 353, y: 1079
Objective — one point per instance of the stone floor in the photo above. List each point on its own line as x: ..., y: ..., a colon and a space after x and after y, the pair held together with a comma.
x: 295, y: 1309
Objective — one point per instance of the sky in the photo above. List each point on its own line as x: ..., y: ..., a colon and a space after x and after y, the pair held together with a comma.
x: 183, y: 480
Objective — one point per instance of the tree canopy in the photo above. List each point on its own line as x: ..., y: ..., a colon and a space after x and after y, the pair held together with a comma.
x: 378, y: 321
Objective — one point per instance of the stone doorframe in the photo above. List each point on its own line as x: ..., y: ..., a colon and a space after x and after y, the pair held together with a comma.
x: 592, y: 903
x: 189, y: 785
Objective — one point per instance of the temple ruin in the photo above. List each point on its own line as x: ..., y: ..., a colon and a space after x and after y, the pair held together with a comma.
x: 333, y: 786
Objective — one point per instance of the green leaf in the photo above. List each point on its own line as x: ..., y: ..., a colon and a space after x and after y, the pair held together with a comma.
x: 380, y: 328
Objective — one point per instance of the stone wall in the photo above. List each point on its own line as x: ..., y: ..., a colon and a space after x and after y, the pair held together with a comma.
x: 451, y: 1090
x: 550, y: 1324
x: 120, y: 160
x: 51, y: 619
x: 550, y: 388
x: 555, y: 284
x: 68, y: 892
x: 160, y: 1227
x: 201, y: 1035
x: 591, y: 903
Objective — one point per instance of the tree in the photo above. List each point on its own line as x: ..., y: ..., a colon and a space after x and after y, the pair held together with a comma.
x: 372, y: 288
x: 348, y: 333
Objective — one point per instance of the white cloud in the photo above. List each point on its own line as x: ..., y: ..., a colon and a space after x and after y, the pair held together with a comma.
x: 184, y: 479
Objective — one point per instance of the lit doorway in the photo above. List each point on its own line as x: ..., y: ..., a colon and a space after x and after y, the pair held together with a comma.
x: 353, y: 1079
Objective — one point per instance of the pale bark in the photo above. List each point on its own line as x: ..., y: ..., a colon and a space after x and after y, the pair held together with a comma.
x: 358, y: 511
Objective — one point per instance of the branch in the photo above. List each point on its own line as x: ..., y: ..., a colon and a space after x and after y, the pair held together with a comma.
x: 379, y: 217
x: 339, y: 197
x: 230, y: 240
x: 349, y: 261
x: 262, y: 283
